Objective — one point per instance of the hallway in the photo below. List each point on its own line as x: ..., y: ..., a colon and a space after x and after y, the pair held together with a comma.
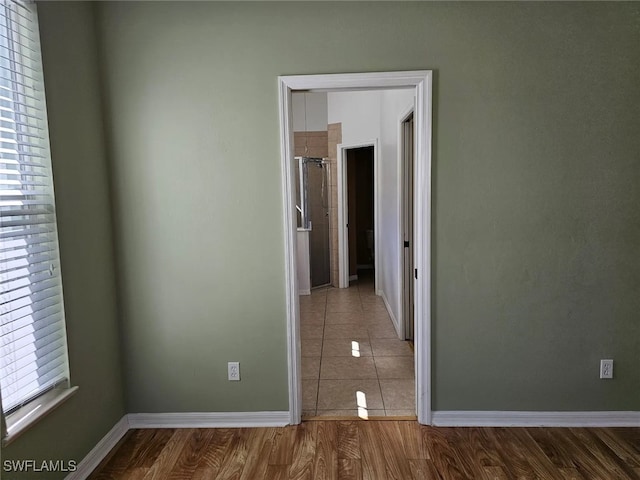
x: 353, y: 363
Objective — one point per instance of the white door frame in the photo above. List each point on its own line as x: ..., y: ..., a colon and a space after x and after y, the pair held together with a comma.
x: 343, y: 210
x: 422, y: 82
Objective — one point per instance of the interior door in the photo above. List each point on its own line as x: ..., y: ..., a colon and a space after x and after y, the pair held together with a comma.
x: 407, y: 221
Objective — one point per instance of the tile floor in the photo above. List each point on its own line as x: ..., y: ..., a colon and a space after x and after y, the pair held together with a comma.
x: 352, y: 360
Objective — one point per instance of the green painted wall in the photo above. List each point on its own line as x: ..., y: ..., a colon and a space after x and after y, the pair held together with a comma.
x: 85, y: 234
x: 536, y: 248
x: 536, y: 222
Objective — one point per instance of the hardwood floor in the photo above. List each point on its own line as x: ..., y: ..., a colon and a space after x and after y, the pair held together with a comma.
x: 376, y: 450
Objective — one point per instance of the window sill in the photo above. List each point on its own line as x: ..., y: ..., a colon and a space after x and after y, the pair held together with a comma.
x: 24, y: 418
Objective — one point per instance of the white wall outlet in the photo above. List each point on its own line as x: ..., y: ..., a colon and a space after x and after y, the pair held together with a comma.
x: 233, y: 369
x: 606, y: 368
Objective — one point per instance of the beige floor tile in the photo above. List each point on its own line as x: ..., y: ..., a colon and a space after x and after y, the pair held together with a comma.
x: 388, y: 347
x: 341, y: 318
x: 347, y: 368
x: 311, y: 331
x: 376, y: 413
x: 372, y: 302
x: 376, y: 317
x: 333, y: 321
x: 310, y: 368
x: 337, y: 413
x: 345, y: 331
x: 398, y: 394
x: 362, y: 413
x: 346, y: 347
x: 345, y: 394
x: 381, y: 330
x: 345, y: 306
x: 312, y: 303
x: 394, y: 367
x: 342, y: 293
x: 309, y: 395
x: 367, y: 293
x: 311, y: 347
x: 311, y: 318
x: 400, y: 413
x: 378, y: 312
x: 319, y: 308
x: 312, y: 299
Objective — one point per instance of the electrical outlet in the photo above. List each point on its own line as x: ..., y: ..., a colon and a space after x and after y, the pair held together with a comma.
x: 233, y: 369
x: 606, y: 368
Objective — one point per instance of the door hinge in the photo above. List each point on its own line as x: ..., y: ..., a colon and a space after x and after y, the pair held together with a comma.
x: 406, y: 244
x: 415, y: 272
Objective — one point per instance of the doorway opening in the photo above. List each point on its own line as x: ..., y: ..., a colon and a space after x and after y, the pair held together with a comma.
x: 420, y: 82
x: 360, y: 211
x: 357, y: 212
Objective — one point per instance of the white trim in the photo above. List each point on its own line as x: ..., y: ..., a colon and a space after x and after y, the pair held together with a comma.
x: 209, y: 419
x: 422, y: 82
x: 18, y: 422
x: 356, y: 81
x: 396, y: 322
x: 343, y: 208
x: 290, y: 251
x: 422, y: 246
x: 98, y: 453
x: 534, y: 419
x: 305, y: 292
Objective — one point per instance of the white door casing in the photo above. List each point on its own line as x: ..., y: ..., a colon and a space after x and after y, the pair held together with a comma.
x: 421, y: 81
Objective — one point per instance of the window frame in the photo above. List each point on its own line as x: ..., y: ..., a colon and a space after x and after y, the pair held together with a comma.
x: 24, y: 97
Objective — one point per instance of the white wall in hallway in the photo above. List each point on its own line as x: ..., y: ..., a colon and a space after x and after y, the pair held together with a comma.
x: 393, y: 104
x: 359, y: 113
x: 309, y: 111
x: 367, y: 116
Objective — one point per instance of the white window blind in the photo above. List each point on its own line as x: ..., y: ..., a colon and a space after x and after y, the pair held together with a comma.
x: 33, y: 350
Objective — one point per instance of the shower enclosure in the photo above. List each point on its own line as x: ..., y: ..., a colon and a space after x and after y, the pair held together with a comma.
x: 313, y: 214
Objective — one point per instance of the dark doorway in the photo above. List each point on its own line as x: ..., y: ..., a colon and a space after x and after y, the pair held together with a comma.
x: 408, y: 151
x: 360, y: 222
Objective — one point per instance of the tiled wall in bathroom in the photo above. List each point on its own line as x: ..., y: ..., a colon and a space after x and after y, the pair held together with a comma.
x: 335, y: 138
x: 310, y: 144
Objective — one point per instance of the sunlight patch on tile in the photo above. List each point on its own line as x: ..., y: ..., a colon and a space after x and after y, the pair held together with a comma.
x: 361, y: 400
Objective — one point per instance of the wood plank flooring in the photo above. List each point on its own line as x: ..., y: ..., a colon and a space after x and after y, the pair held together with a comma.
x: 375, y: 450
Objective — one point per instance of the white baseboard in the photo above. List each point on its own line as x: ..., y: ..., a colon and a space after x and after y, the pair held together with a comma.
x: 173, y: 420
x: 396, y: 323
x: 534, y: 419
x: 209, y: 419
x: 100, y: 451
x: 304, y: 292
